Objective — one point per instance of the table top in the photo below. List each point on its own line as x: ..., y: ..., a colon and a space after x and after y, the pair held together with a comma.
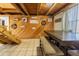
x: 65, y: 36
x: 73, y: 52
x: 66, y: 39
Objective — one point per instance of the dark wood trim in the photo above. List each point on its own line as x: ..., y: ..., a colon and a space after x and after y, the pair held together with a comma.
x: 11, y: 13
x: 24, y: 9
x: 61, y: 8
x: 18, y: 7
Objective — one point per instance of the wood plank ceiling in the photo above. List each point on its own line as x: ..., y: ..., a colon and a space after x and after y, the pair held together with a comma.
x: 31, y: 8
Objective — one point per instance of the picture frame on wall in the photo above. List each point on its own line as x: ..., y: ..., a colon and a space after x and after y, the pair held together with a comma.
x: 24, y: 19
x: 58, y: 20
x: 34, y: 22
x: 16, y: 19
x: 14, y: 26
x: 49, y: 19
x: 43, y: 22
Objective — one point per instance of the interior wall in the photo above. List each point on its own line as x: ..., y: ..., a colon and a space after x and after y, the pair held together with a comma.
x: 27, y: 29
x: 58, y: 25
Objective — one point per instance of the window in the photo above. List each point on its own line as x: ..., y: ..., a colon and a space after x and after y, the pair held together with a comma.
x: 3, y: 22
x: 77, y: 28
x: 71, y: 19
x: 70, y: 22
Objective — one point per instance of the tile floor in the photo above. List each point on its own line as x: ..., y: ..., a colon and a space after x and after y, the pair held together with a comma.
x: 28, y: 47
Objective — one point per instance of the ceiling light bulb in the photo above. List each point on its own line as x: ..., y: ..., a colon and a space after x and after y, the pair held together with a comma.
x: 49, y: 4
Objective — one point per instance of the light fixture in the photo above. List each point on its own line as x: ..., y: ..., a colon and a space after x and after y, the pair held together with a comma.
x: 49, y: 4
x: 33, y: 17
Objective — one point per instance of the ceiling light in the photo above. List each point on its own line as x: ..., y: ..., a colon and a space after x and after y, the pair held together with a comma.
x: 49, y: 4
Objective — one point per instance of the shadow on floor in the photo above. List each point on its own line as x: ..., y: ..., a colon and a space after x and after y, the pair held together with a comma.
x: 39, y: 52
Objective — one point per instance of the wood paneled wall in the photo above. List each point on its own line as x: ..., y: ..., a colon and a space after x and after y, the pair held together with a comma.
x: 28, y: 32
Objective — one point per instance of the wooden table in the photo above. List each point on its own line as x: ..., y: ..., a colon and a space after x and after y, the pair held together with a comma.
x: 73, y: 52
x: 64, y: 36
x: 64, y: 40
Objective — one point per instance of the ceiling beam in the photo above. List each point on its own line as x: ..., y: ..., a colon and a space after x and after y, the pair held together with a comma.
x: 25, y: 9
x: 0, y: 9
x: 16, y: 6
x: 62, y: 8
x: 50, y: 9
x: 10, y: 11
x: 38, y: 8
